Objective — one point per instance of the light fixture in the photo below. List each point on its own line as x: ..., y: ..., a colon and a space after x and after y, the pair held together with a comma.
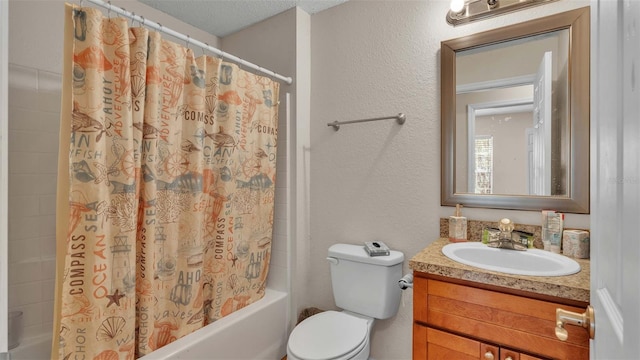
x: 457, y: 6
x: 465, y: 11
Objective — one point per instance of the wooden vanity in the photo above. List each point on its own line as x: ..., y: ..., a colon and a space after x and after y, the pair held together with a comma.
x: 462, y: 312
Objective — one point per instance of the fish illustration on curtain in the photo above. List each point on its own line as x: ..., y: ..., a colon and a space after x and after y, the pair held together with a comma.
x: 171, y: 188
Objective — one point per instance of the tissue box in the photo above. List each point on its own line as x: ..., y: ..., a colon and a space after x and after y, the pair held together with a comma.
x: 575, y: 243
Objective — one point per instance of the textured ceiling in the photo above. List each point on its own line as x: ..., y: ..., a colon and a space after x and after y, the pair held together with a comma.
x: 224, y: 17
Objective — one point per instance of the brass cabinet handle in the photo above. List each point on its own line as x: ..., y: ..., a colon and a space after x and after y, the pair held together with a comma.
x: 586, y: 320
x: 488, y: 355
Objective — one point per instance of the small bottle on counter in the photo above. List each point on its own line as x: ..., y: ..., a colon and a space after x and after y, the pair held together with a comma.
x: 457, y: 226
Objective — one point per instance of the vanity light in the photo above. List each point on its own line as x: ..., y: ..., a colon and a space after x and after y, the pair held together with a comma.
x: 457, y: 6
x: 481, y: 9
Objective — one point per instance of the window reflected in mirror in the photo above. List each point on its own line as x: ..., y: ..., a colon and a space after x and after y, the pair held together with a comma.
x: 516, y: 94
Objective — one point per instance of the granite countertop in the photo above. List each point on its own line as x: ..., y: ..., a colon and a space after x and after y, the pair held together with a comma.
x: 574, y: 287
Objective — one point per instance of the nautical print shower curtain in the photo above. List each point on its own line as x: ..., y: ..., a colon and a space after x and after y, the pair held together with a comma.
x: 166, y: 189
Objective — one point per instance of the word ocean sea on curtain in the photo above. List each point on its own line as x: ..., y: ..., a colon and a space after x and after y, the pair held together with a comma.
x: 170, y: 190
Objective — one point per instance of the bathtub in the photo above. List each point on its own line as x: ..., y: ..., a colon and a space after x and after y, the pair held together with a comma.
x: 258, y: 331
x: 33, y: 348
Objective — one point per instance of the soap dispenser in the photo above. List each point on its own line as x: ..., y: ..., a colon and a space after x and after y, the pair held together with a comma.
x: 457, y: 226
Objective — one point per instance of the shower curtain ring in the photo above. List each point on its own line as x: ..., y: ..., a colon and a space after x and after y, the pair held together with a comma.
x: 188, y: 40
x: 109, y: 9
x: 204, y: 48
x: 133, y: 16
x: 142, y: 22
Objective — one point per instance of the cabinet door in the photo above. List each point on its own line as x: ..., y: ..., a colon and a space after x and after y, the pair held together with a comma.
x: 506, y: 354
x: 443, y: 345
x: 489, y: 352
x: 529, y: 357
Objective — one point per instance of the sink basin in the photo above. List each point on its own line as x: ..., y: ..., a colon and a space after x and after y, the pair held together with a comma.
x: 532, y: 262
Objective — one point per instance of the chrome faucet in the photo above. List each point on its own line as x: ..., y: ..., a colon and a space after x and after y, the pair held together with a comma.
x: 507, y: 244
x: 505, y: 241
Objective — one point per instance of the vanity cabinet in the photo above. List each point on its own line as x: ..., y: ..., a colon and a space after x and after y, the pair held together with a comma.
x: 459, y: 319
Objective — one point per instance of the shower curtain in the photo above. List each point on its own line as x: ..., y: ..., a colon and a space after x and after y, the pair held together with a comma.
x: 165, y: 190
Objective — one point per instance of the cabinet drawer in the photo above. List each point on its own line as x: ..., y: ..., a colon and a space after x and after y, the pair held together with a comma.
x: 442, y: 345
x: 516, y: 322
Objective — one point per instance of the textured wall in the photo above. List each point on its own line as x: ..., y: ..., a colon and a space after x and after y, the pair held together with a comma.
x: 380, y: 180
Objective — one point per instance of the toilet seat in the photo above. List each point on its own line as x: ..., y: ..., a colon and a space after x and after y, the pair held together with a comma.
x: 329, y: 335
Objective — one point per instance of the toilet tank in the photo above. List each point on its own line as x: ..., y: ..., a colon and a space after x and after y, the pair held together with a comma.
x: 363, y: 284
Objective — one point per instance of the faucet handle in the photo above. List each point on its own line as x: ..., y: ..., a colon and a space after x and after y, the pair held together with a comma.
x: 506, y: 225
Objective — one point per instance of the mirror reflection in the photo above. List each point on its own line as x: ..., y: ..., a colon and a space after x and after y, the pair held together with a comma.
x: 515, y: 116
x: 512, y: 117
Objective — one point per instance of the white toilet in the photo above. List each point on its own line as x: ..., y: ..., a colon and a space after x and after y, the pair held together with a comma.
x: 366, y: 288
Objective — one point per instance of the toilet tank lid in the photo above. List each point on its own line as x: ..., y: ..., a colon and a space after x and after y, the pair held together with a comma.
x: 359, y: 254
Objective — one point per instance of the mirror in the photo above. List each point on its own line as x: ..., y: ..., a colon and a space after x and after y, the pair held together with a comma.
x: 515, y: 116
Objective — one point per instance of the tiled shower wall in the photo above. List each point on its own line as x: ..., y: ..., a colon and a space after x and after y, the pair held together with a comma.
x: 34, y: 118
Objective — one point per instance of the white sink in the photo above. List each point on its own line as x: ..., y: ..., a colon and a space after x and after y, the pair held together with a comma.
x: 532, y: 262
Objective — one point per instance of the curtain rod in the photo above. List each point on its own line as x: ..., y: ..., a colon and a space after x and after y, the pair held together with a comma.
x: 189, y: 40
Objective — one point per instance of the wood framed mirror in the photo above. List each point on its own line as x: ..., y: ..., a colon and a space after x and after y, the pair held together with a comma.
x: 515, y: 116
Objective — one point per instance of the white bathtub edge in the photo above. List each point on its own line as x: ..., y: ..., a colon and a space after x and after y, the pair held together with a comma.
x: 258, y: 331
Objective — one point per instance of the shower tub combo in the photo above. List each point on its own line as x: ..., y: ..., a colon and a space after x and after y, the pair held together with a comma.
x: 258, y: 331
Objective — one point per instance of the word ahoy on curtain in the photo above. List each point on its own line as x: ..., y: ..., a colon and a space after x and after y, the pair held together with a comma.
x: 170, y: 189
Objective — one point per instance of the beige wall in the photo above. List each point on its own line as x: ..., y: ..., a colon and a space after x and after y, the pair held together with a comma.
x: 380, y: 180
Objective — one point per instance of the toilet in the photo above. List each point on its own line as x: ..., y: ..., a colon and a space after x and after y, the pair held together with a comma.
x: 365, y: 288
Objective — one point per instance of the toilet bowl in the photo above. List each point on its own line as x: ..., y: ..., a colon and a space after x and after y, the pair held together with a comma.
x: 331, y: 335
x: 366, y: 288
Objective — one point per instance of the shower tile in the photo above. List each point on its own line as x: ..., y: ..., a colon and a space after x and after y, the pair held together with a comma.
x: 50, y: 124
x: 21, y: 98
x: 32, y: 331
x: 23, y: 77
x: 277, y: 278
x: 47, y: 184
x: 48, y: 272
x: 279, y: 258
x: 280, y: 202
x: 49, y: 81
x: 20, y: 142
x: 46, y: 225
x: 24, y: 164
x: 22, y: 227
x: 47, y: 312
x: 48, y: 290
x: 23, y: 119
x: 25, y: 294
x: 49, y: 101
x: 280, y: 226
x: 32, y: 314
x: 48, y: 248
x: 46, y: 143
x: 47, y: 204
x: 24, y: 184
x: 22, y: 205
x: 25, y: 272
x: 23, y: 251
x: 48, y: 163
